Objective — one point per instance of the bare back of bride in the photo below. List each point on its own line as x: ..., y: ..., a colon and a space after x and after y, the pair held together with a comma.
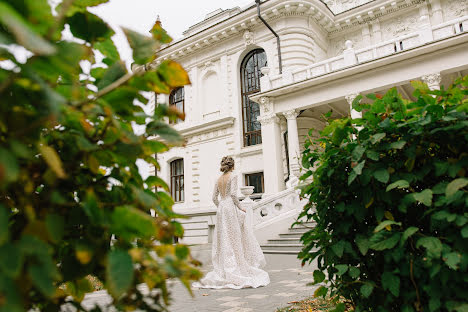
x: 236, y: 255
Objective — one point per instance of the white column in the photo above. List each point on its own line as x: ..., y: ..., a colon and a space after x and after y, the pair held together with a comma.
x: 354, y: 113
x: 437, y: 15
x: 293, y: 143
x: 425, y: 28
x: 432, y: 81
x: 271, y: 145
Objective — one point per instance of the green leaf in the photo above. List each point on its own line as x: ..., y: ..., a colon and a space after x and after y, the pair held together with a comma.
x: 359, y: 167
x: 144, y: 47
x: 452, y: 260
x: 373, y: 155
x: 23, y: 32
x: 9, y: 169
x: 382, y: 175
x: 462, y: 307
x: 455, y: 185
x: 354, y: 272
x: 357, y: 153
x: 11, y: 260
x: 116, y: 71
x: 164, y: 131
x: 391, y: 282
x: 342, y: 269
x: 82, y: 6
x: 338, y: 248
x: 352, y: 176
x: 321, y: 292
x: 56, y: 226
x: 384, y: 224
x: 407, y: 233
x: 366, y: 290
x: 431, y: 244
x: 340, y: 307
x: 319, y: 276
x: 424, y: 197
x: 401, y: 184
x: 108, y: 49
x: 89, y: 27
x: 130, y: 223
x: 41, y: 280
x: 377, y: 137
x: 363, y: 244
x: 4, y: 231
x: 464, y: 231
x: 398, y: 145
x: 387, y: 243
x: 119, y: 272
x: 157, y: 182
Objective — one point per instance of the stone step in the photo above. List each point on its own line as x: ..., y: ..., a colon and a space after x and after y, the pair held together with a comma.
x: 298, y: 230
x: 296, y: 235
x: 305, y: 225
x: 282, y: 247
x: 280, y: 252
x: 284, y: 241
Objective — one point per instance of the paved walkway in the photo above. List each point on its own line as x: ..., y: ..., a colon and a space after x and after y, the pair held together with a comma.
x: 288, y: 283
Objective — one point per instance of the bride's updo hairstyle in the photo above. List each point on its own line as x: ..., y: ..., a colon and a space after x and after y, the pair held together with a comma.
x: 227, y: 164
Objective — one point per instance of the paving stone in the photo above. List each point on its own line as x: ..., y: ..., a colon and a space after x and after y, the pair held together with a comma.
x: 228, y: 298
x: 287, y: 282
x: 233, y: 304
x: 257, y: 296
x: 285, y: 294
x: 238, y: 309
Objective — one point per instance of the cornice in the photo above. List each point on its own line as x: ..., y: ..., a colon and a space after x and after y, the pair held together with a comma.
x: 274, y: 9
x: 208, y: 126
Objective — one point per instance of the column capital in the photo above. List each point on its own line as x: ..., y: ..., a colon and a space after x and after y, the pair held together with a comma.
x: 432, y: 80
x: 268, y: 119
x: 290, y: 114
x: 350, y: 98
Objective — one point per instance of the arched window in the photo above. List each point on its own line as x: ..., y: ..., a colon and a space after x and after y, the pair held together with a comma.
x: 177, y: 99
x: 250, y: 84
x: 177, y: 180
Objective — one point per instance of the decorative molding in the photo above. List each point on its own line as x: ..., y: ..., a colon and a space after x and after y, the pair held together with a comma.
x: 291, y: 114
x: 207, y: 130
x: 432, y: 80
x: 266, y: 105
x: 268, y: 119
x: 249, y: 38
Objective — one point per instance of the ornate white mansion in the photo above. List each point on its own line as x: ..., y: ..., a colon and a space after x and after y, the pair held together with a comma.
x: 259, y: 84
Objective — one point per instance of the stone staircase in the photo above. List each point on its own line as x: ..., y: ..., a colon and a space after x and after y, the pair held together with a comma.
x: 287, y: 243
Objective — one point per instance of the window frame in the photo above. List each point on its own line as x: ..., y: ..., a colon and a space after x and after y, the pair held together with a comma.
x: 178, y: 194
x: 174, y: 101
x: 250, y: 137
x: 248, y: 175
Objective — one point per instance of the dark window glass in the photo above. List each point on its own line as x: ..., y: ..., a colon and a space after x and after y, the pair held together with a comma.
x: 255, y: 180
x: 177, y: 99
x: 250, y: 84
x: 177, y: 180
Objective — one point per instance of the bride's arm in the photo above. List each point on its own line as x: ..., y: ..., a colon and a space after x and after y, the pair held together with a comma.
x: 215, y: 194
x: 234, y: 197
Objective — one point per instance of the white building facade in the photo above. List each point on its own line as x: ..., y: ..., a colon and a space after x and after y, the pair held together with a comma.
x: 242, y: 103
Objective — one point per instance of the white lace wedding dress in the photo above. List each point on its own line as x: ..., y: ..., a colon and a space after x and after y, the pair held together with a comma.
x: 236, y: 255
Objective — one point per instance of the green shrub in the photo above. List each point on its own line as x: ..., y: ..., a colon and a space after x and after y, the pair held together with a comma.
x: 389, y: 197
x: 68, y: 173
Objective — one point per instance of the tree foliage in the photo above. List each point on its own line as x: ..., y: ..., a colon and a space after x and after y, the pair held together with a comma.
x: 389, y: 197
x: 68, y: 174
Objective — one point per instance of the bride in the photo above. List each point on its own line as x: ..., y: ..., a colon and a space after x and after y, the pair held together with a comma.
x: 236, y: 255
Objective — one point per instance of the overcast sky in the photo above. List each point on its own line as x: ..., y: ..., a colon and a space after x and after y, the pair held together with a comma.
x: 176, y: 15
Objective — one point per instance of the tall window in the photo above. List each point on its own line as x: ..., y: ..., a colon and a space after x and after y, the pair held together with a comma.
x: 255, y: 180
x: 177, y: 180
x: 177, y: 99
x: 250, y: 84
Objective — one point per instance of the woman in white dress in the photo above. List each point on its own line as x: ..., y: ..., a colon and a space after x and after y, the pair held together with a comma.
x: 236, y: 255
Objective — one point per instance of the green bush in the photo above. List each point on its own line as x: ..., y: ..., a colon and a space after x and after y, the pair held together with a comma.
x: 389, y: 198
x: 68, y: 174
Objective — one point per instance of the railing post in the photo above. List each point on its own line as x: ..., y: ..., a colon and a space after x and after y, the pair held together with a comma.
x: 349, y: 55
x: 265, y: 80
x: 247, y: 203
